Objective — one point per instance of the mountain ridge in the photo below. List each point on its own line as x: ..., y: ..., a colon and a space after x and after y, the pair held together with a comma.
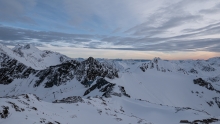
x: 177, y: 87
x: 31, y: 56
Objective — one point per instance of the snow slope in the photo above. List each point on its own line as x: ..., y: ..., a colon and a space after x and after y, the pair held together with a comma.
x: 123, y: 91
x: 33, y: 57
x: 29, y: 109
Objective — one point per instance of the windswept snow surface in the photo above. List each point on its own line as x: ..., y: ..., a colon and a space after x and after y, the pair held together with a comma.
x: 28, y: 109
x: 142, y: 92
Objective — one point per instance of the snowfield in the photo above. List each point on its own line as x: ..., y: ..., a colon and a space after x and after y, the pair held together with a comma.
x: 47, y: 87
x: 28, y: 109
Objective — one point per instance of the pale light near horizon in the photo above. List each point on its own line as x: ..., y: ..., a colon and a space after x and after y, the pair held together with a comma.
x: 129, y: 54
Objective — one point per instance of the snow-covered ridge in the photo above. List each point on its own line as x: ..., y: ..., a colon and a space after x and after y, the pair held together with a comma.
x: 114, y: 90
x: 33, y: 57
x: 199, y: 68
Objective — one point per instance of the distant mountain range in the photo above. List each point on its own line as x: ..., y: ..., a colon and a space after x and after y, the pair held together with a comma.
x: 48, y: 87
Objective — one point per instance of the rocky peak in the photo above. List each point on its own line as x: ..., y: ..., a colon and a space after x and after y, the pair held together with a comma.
x: 24, y: 47
x: 17, y: 49
x: 18, y: 46
x: 90, y: 60
x: 156, y: 59
x: 27, y: 46
x: 91, y: 63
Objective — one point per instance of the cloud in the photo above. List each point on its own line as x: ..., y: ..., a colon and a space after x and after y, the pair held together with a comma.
x: 211, y: 45
x: 209, y: 27
x: 13, y: 36
x: 176, y: 19
x: 109, y: 14
x: 22, y: 36
x: 16, y: 10
x: 159, y: 25
x: 147, y: 30
x: 213, y: 10
x: 106, y: 17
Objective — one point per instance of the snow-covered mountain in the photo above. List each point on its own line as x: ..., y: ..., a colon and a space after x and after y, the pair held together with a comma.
x: 32, y: 56
x: 107, y: 91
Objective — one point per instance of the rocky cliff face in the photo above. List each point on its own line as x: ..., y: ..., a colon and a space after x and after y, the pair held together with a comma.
x: 83, y: 71
x: 33, y: 57
x: 12, y: 69
x: 156, y: 86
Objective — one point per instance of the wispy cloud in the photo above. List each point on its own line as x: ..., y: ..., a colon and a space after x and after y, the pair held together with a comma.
x: 11, y: 36
x: 213, y: 10
x: 159, y: 25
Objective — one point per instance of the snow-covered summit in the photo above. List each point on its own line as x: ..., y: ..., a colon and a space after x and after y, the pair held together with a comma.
x: 115, y: 91
x: 31, y: 56
x: 27, y: 46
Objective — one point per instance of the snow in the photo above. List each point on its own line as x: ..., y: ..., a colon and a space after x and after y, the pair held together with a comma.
x: 95, y: 110
x: 162, y: 93
x: 33, y: 57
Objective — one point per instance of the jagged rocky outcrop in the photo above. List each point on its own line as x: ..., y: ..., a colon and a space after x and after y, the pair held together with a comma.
x: 100, y: 83
x: 205, y: 84
x: 17, y: 108
x: 31, y: 56
x: 91, y: 68
x: 122, y: 89
x: 202, y: 121
x: 108, y: 90
x: 144, y: 67
x: 193, y: 71
x: 188, y: 67
x: 12, y: 69
x: 72, y: 99
x: 84, y: 71
x: 5, y: 112
x: 57, y: 75
x: 214, y: 79
x: 217, y: 101
x: 208, y: 68
x: 153, y: 65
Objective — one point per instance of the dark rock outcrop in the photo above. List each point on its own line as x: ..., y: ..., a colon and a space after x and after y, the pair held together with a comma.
x: 205, y: 84
x: 72, y: 99
x: 217, y: 101
x: 17, y: 108
x: 193, y: 71
x: 5, y: 112
x: 92, y: 68
x: 99, y: 84
x: 122, y: 89
x: 108, y: 90
x: 12, y: 69
x: 57, y: 75
x: 84, y: 71
x: 203, y: 121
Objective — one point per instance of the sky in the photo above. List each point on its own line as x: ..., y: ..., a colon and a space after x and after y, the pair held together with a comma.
x: 127, y: 29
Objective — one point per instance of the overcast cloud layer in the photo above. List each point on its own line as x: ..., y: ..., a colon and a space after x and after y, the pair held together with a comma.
x: 159, y: 25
